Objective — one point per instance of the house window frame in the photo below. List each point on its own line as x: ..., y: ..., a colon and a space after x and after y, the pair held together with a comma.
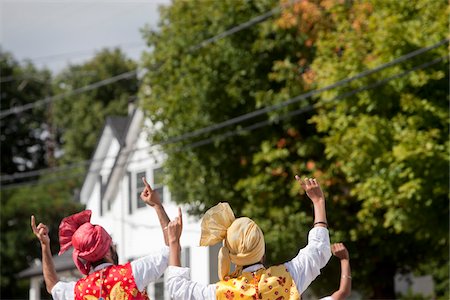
x: 138, y: 187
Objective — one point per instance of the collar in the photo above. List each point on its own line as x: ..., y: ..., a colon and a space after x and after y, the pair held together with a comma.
x: 253, y: 268
x: 101, y: 266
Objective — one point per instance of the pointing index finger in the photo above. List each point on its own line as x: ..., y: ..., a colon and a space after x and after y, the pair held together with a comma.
x: 180, y: 216
x: 146, y: 184
x: 33, y: 224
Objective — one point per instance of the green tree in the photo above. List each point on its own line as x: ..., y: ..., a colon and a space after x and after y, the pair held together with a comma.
x: 49, y: 202
x: 310, y: 45
x: 22, y: 146
x: 390, y: 143
x: 187, y: 89
x: 79, y: 118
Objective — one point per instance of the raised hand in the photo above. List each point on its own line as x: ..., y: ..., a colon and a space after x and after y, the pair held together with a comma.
x: 41, y: 232
x: 149, y: 196
x: 339, y: 251
x: 312, y: 188
x: 174, y: 228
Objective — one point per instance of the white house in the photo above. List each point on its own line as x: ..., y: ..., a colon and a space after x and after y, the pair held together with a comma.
x: 111, y: 190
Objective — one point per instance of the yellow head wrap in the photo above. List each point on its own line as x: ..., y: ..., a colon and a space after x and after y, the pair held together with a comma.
x: 243, y: 239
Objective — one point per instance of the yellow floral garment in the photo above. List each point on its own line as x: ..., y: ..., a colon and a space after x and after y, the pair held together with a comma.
x: 274, y: 283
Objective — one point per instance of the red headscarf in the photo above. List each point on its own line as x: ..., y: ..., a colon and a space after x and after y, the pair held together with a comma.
x: 90, y: 242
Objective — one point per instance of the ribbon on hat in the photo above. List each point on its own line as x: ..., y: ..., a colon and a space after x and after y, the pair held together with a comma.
x: 243, y: 240
x: 68, y: 226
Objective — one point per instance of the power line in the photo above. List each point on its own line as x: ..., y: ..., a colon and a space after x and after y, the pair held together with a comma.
x: 250, y: 23
x: 202, y: 44
x: 90, y: 87
x: 241, y: 118
x: 249, y: 128
x: 303, y: 96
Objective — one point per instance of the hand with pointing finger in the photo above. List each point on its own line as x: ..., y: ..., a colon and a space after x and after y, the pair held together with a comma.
x: 174, y: 229
x: 41, y: 232
x: 149, y: 196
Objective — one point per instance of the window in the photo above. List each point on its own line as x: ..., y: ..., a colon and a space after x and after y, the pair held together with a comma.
x: 130, y: 193
x: 158, y: 182
x: 139, y: 188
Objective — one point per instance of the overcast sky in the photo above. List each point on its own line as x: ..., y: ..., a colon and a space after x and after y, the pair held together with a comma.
x: 56, y: 32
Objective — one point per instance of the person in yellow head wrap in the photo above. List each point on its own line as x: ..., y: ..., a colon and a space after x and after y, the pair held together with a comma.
x: 243, y: 245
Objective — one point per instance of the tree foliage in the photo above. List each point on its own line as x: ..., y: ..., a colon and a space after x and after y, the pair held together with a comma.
x: 387, y: 196
x: 390, y: 143
x: 23, y: 147
x: 80, y: 117
x: 19, y: 247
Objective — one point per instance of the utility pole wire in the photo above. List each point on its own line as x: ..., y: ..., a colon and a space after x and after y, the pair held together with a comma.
x: 90, y: 87
x: 242, y: 117
x: 247, y: 129
x: 302, y: 96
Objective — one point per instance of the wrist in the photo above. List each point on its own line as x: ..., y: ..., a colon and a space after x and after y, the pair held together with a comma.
x: 45, y: 246
x: 174, y: 244
x: 320, y: 224
x: 156, y: 206
x: 318, y: 200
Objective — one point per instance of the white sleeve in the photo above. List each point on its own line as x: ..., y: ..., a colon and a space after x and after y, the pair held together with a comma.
x: 305, y: 267
x: 180, y: 286
x: 149, y: 268
x: 64, y: 290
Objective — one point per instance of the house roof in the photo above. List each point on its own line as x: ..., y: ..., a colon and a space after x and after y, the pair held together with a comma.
x: 119, y: 126
x: 62, y: 263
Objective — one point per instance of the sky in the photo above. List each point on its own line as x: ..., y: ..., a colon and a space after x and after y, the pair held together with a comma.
x: 54, y: 33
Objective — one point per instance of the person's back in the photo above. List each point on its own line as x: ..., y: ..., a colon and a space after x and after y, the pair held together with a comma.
x: 272, y: 283
x: 95, y: 256
x: 116, y: 281
x: 243, y: 245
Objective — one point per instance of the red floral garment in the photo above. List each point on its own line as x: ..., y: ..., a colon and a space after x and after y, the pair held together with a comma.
x: 115, y: 282
x: 274, y: 283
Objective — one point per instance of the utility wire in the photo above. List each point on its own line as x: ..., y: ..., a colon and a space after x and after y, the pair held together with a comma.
x: 90, y: 87
x: 247, y: 129
x: 235, y: 29
x: 236, y: 119
x: 302, y: 96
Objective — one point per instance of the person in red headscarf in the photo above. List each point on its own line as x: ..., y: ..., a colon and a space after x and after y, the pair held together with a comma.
x: 95, y: 256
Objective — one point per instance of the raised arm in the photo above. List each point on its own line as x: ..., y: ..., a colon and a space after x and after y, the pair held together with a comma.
x: 305, y: 267
x: 345, y: 285
x: 151, y: 197
x: 48, y: 267
x: 178, y: 281
x: 174, y: 230
x: 314, y: 192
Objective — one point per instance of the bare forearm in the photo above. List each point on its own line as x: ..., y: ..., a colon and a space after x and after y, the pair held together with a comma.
x: 345, y: 285
x: 163, y: 220
x: 174, y: 256
x: 346, y: 277
x: 48, y: 268
x: 320, y: 214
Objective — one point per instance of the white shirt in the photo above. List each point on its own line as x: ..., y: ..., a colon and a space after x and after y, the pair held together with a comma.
x: 304, y: 268
x: 145, y: 270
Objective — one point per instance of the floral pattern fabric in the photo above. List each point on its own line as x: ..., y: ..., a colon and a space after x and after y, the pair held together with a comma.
x: 274, y: 283
x: 115, y: 282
